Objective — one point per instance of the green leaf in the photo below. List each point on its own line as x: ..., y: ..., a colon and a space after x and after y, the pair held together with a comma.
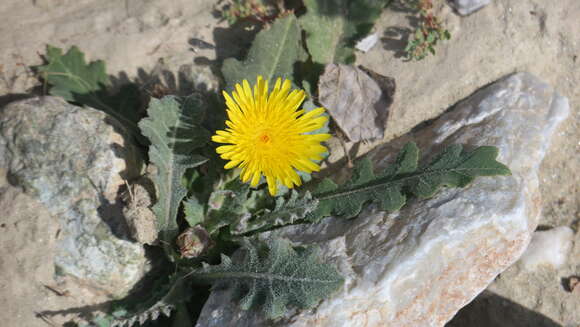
x: 446, y: 35
x: 194, y: 211
x: 227, y: 206
x: 452, y: 168
x: 432, y: 37
x: 274, y: 276
x: 333, y: 26
x: 86, y: 83
x: 272, y: 55
x: 286, y: 212
x: 168, y: 296
x: 173, y: 127
x: 455, y: 167
x: 182, y: 317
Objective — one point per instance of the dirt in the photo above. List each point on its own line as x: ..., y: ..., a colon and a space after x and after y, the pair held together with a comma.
x: 147, y: 40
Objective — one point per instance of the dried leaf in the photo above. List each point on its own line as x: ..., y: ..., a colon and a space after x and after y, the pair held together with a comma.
x: 358, y: 100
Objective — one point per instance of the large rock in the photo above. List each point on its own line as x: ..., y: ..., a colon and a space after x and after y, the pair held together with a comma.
x: 27, y: 270
x: 419, y: 266
x: 73, y: 161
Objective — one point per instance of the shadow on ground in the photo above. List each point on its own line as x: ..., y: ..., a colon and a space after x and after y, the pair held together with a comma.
x: 492, y: 310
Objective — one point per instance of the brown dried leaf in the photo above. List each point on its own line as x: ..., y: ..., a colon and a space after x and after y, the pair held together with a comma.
x: 357, y: 99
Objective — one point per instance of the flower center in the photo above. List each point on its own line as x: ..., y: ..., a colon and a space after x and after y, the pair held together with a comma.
x: 264, y: 137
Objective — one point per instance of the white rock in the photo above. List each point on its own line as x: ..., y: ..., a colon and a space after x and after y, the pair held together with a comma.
x: 548, y: 248
x: 419, y: 266
x: 367, y: 43
x: 466, y: 7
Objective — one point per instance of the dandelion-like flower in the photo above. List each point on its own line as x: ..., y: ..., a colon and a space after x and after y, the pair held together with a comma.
x: 266, y: 134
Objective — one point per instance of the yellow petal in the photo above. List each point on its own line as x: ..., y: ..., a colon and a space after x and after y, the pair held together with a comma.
x: 272, y: 187
x: 232, y: 164
x: 255, y: 179
x: 225, y: 148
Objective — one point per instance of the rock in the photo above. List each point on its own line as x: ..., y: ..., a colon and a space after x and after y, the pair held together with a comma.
x: 419, y: 266
x: 548, y: 248
x: 27, y: 250
x: 545, y: 290
x: 467, y: 7
x: 574, y: 284
x: 357, y: 99
x: 73, y: 160
x: 367, y: 43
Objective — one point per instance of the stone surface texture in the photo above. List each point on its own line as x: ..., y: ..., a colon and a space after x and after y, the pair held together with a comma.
x: 548, y: 248
x: 466, y: 7
x: 73, y: 160
x: 27, y: 272
x: 521, y: 297
x: 419, y: 266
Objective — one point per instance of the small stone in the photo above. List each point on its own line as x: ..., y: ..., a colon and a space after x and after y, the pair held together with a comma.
x: 548, y: 248
x: 73, y: 160
x: 467, y: 7
x: 574, y: 284
x: 367, y: 43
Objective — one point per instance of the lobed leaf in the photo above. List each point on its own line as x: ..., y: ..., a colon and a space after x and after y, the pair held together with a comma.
x: 454, y: 167
x: 286, y: 212
x: 194, y: 211
x: 173, y: 127
x: 162, y: 302
x: 86, y: 83
x: 272, y: 55
x: 274, y: 276
x: 333, y: 26
x: 226, y: 207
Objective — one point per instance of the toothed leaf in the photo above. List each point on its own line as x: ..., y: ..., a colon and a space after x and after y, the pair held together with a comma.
x: 194, y: 211
x: 286, y: 212
x: 275, y: 276
x: 229, y: 205
x: 454, y: 167
x: 173, y: 127
x: 176, y: 291
x: 273, y: 54
x: 75, y: 80
x: 333, y: 26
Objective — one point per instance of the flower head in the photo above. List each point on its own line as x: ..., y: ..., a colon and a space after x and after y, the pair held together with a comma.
x: 266, y: 134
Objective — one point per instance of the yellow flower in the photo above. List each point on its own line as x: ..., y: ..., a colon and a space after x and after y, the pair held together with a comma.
x: 266, y: 134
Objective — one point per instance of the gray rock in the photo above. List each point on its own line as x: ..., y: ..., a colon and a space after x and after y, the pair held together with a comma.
x: 419, y: 266
x: 73, y: 160
x: 467, y: 7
